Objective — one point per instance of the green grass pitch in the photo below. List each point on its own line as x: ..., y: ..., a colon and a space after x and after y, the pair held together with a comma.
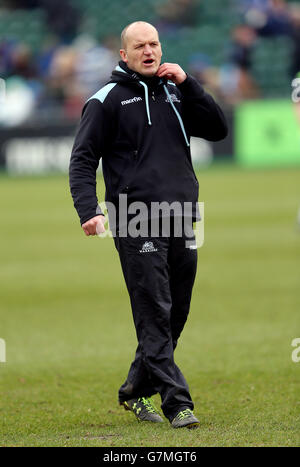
x: 69, y: 334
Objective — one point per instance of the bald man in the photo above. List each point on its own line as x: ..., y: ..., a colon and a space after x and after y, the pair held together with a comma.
x: 140, y: 123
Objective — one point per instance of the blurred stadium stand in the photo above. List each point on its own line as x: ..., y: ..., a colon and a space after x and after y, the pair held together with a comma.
x: 28, y: 27
x: 55, y: 54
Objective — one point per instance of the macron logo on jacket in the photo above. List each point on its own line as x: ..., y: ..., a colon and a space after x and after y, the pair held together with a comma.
x: 131, y: 101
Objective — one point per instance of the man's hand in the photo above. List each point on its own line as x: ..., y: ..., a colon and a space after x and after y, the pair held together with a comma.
x: 94, y: 226
x: 172, y: 71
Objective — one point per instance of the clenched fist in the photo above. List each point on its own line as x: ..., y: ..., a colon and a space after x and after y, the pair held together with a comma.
x: 94, y: 226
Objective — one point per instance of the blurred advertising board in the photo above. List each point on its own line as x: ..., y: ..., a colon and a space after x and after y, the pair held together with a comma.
x: 47, y: 149
x: 267, y: 133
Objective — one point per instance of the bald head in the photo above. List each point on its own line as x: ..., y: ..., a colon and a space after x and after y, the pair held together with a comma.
x: 135, y: 28
x: 141, y: 49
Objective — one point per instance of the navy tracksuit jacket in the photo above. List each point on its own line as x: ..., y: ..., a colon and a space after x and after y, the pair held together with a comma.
x: 141, y: 129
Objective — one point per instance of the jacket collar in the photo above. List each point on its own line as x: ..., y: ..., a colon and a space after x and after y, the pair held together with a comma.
x: 124, y: 73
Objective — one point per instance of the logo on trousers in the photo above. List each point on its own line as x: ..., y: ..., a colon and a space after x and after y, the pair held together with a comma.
x: 148, y: 247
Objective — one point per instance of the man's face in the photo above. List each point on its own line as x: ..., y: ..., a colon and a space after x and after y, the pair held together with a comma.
x: 143, y: 50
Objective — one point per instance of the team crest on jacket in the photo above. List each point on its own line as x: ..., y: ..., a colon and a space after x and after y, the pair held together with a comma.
x: 174, y: 98
x: 148, y: 247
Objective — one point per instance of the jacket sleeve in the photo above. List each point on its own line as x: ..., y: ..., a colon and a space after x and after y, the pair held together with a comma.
x: 84, y: 161
x: 202, y: 116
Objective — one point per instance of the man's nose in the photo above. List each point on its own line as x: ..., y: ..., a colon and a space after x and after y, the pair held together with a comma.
x: 147, y: 49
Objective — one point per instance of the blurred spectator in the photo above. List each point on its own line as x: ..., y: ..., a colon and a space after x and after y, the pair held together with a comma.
x: 241, y: 47
x: 23, y: 88
x: 237, y: 80
x: 19, y: 102
x: 22, y: 62
x: 74, y: 72
x: 237, y: 84
x: 6, y: 47
x: 62, y: 17
x: 16, y: 58
x: 61, y: 73
x: 94, y: 64
x: 267, y: 17
x: 46, y: 53
x: 229, y: 83
x: 175, y: 14
x: 200, y: 67
x: 294, y: 12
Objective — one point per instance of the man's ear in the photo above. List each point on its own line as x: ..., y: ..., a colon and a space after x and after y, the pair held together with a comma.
x: 123, y: 55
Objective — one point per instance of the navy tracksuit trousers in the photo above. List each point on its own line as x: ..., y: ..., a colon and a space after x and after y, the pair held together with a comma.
x: 159, y: 273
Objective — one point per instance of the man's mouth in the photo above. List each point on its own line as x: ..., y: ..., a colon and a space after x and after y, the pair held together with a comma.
x: 148, y: 62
